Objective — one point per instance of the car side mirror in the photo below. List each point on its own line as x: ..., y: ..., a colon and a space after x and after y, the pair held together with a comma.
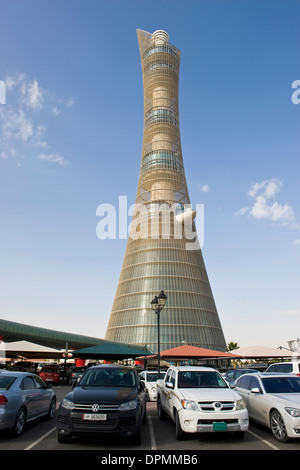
x: 169, y: 385
x: 232, y: 384
x: 75, y: 383
x: 255, y: 390
x: 142, y: 385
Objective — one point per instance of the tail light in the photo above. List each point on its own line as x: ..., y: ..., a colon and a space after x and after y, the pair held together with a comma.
x: 3, y: 400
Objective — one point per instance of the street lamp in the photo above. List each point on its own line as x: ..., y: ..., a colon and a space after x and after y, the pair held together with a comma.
x: 157, y: 304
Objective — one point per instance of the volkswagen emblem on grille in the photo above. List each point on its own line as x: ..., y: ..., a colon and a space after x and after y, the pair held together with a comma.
x: 218, y: 404
x: 95, y: 407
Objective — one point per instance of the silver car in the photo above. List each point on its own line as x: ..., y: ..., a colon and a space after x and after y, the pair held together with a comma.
x: 274, y: 401
x: 23, y: 397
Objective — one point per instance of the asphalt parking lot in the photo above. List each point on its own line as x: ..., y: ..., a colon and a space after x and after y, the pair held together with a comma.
x: 157, y: 436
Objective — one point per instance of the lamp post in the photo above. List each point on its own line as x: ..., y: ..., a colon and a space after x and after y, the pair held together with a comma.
x: 157, y: 304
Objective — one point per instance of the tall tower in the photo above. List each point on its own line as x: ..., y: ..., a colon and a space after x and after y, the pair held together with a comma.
x: 156, y: 259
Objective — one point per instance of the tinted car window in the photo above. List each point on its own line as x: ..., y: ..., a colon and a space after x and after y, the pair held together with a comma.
x: 27, y: 383
x: 231, y: 374
x: 282, y: 384
x: 6, y: 382
x: 39, y: 383
x: 200, y: 379
x: 109, y: 378
x: 244, y: 382
x: 255, y: 383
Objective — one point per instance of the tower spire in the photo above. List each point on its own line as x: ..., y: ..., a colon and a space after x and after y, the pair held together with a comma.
x: 156, y: 260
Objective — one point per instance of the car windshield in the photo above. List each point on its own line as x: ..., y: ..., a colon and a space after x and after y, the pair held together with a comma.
x: 153, y: 376
x: 282, y: 384
x: 6, y: 381
x: 109, y: 378
x: 200, y: 379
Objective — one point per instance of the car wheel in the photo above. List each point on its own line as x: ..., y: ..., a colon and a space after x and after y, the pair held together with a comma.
x: 180, y: 434
x: 52, y: 409
x: 278, y: 427
x: 19, y: 423
x: 161, y: 412
x: 62, y: 438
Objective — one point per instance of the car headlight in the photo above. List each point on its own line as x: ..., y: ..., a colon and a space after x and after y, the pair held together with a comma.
x: 68, y: 404
x: 241, y: 404
x: 189, y: 405
x: 128, y: 405
x: 295, y: 412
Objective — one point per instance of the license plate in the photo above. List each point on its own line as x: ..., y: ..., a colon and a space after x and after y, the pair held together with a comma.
x: 220, y: 426
x: 94, y: 417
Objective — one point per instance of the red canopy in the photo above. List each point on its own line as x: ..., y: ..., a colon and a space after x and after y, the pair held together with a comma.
x: 193, y: 352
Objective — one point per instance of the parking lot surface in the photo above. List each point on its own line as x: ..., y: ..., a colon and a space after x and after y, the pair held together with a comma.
x: 157, y: 436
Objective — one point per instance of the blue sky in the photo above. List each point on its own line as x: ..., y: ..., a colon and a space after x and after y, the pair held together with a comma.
x: 71, y: 139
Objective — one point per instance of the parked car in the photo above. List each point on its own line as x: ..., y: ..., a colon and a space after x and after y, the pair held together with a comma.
x: 50, y: 374
x: 75, y: 373
x: 40, y: 365
x: 274, y: 401
x: 199, y: 401
x: 292, y: 367
x: 23, y: 397
x: 22, y: 366
x: 233, y: 374
x: 150, y: 378
x: 109, y: 399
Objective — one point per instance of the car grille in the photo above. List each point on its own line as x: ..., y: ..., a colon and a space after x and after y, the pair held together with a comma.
x: 86, y: 407
x: 78, y: 423
x: 211, y: 421
x: 211, y: 406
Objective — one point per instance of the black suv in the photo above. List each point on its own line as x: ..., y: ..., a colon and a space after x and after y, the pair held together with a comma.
x: 108, y: 399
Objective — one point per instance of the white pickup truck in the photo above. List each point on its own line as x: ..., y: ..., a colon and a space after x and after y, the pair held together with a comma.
x: 199, y: 400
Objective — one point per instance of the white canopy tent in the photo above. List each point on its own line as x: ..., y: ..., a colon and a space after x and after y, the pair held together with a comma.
x: 28, y: 350
x: 264, y: 352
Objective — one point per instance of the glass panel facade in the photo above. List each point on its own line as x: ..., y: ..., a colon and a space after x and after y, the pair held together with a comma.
x: 152, y: 264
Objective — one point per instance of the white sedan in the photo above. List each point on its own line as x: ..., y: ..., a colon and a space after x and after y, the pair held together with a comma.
x: 274, y: 401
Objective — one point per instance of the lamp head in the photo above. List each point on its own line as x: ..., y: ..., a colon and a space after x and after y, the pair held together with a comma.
x: 162, y: 298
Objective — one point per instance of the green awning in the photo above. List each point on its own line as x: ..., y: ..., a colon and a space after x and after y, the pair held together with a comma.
x: 111, y: 351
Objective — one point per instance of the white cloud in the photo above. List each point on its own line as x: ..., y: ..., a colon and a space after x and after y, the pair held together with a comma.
x: 242, y: 211
x: 55, y: 111
x: 296, y: 242
x: 267, y: 188
x: 33, y: 94
x: 265, y: 207
x: 12, y: 81
x: 53, y: 158
x: 204, y: 188
x: 20, y: 122
x: 69, y: 102
x: 15, y: 124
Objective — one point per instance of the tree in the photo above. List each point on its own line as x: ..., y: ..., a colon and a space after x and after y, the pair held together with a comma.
x: 232, y: 346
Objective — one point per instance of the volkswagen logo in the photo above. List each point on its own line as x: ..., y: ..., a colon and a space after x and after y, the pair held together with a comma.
x: 218, y: 405
x: 95, y: 407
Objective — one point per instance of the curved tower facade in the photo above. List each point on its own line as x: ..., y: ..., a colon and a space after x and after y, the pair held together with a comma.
x: 158, y: 254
